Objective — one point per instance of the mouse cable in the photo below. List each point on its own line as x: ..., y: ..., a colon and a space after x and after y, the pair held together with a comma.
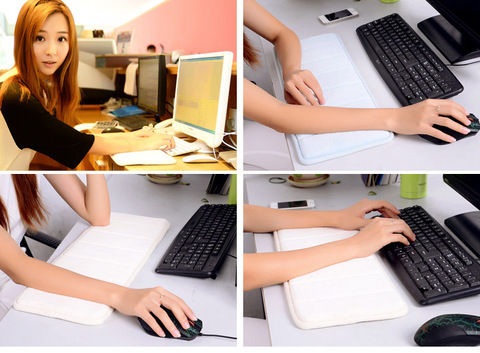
x: 221, y: 336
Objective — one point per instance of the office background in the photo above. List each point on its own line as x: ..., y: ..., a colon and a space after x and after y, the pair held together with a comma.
x: 187, y: 25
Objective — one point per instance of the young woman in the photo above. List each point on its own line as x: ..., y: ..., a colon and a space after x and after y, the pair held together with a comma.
x: 301, y: 88
x: 38, y: 97
x: 264, y: 269
x: 21, y: 207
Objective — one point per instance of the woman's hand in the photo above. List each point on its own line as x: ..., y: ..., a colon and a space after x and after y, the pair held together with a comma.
x: 153, y: 140
x: 301, y: 87
x: 143, y: 302
x: 353, y: 217
x: 378, y: 233
x: 419, y: 119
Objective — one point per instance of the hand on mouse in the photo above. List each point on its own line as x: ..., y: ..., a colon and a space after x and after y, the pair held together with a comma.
x: 353, y: 217
x: 419, y: 119
x: 142, y: 302
x: 378, y: 233
x: 301, y: 87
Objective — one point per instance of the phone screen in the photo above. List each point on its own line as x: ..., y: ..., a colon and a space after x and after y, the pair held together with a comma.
x: 336, y: 15
x: 292, y: 204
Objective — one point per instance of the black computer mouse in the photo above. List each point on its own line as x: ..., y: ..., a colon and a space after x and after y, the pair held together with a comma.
x: 449, y: 330
x: 109, y: 130
x: 473, y: 127
x: 188, y: 335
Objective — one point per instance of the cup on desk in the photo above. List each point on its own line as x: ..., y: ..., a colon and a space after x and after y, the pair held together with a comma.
x: 232, y: 192
x: 413, y: 186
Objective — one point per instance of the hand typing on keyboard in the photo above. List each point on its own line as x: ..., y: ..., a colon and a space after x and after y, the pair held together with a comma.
x: 353, y: 217
x: 380, y: 232
x: 154, y: 140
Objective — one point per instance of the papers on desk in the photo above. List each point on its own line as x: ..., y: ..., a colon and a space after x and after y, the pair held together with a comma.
x: 114, y: 253
x: 326, y: 57
x: 346, y: 293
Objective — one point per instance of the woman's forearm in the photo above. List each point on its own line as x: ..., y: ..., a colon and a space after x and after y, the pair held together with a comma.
x: 289, y: 51
x: 97, y: 200
x: 91, y: 201
x: 264, y: 269
x: 112, y: 143
x: 50, y: 278
x: 259, y: 219
x: 287, y: 118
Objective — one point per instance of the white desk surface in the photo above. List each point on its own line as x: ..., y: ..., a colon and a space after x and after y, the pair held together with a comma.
x: 213, y: 301
x: 441, y: 202
x: 404, y: 152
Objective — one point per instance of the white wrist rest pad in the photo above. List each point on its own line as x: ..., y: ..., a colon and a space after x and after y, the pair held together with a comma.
x: 345, y: 293
x: 150, y: 157
x: 114, y: 253
x: 327, y: 58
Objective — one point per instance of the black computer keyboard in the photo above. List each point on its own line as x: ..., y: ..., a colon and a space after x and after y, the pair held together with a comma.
x: 434, y: 267
x: 411, y: 70
x: 134, y: 122
x: 200, y: 247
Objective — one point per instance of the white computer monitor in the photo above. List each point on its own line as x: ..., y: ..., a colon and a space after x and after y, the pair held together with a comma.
x: 201, y: 97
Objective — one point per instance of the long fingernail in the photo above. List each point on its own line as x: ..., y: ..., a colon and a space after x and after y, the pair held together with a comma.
x: 176, y: 333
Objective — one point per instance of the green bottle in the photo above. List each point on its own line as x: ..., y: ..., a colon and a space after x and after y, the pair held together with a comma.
x: 413, y: 186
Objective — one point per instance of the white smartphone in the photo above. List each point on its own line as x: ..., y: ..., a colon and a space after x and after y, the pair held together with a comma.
x: 338, y: 16
x: 293, y: 205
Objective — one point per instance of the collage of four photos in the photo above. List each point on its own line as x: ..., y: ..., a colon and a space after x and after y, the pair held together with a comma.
x: 239, y: 173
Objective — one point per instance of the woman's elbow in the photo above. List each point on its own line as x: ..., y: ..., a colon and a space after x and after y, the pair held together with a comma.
x: 100, y: 221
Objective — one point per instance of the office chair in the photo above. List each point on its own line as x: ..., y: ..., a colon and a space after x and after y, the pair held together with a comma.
x: 42, y: 238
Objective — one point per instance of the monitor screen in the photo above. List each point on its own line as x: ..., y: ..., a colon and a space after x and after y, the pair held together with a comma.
x: 456, y: 33
x: 466, y: 226
x: 201, y: 96
x: 152, y: 84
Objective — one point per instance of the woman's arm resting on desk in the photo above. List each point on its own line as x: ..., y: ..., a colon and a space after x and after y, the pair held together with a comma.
x: 259, y: 219
x: 294, y: 119
x: 301, y: 87
x: 140, y: 140
x: 90, y: 201
x: 46, y: 277
x: 263, y: 269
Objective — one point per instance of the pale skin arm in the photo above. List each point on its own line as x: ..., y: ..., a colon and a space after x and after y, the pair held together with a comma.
x: 90, y: 201
x: 301, y: 87
x: 140, y: 140
x: 415, y: 119
x: 43, y: 276
x: 263, y: 269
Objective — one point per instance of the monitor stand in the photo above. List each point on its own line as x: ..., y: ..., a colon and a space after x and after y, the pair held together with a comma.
x: 449, y: 41
x: 466, y: 227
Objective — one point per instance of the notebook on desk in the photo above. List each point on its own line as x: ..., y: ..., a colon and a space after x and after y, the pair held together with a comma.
x: 114, y: 253
x: 353, y: 291
x: 326, y: 57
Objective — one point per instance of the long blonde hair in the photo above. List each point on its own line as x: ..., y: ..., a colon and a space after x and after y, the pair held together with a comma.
x: 32, y: 210
x: 63, y: 94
